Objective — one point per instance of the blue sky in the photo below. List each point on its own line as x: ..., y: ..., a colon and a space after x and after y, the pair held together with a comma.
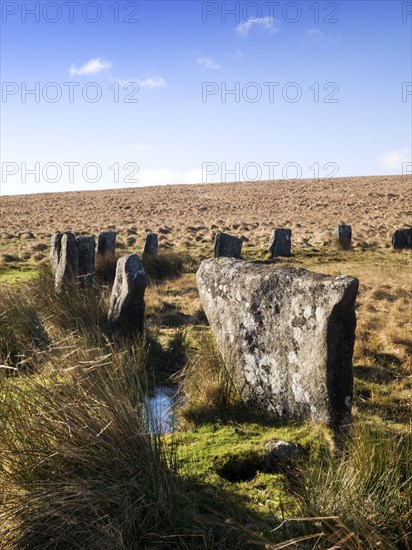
x: 319, y: 88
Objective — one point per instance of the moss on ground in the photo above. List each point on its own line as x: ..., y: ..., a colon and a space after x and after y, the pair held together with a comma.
x: 222, y: 455
x: 18, y: 274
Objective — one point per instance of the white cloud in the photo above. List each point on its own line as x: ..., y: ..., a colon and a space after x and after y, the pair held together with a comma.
x: 208, y: 62
x: 141, y: 147
x: 150, y: 82
x: 93, y: 66
x: 395, y: 158
x: 266, y: 24
x: 316, y: 35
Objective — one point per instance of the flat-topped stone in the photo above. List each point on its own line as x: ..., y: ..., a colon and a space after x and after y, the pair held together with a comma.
x: 106, y: 243
x: 286, y: 336
x: 227, y: 246
x: 402, y: 239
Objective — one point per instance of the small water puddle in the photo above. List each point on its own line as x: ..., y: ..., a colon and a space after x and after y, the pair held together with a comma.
x: 161, y: 410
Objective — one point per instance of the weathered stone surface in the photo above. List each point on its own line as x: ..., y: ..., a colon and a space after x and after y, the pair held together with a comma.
x: 55, y: 247
x: 106, y: 243
x: 68, y: 266
x: 276, y: 449
x: 280, y: 242
x: 151, y: 244
x: 402, y: 239
x: 86, y: 246
x: 286, y: 335
x: 126, y: 312
x: 227, y: 245
x: 281, y: 449
x: 342, y: 237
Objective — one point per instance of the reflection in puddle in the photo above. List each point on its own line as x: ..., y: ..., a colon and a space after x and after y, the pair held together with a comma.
x: 161, y: 410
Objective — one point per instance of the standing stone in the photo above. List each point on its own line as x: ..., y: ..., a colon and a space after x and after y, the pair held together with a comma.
x: 126, y: 312
x: 86, y: 246
x: 280, y: 242
x: 286, y: 336
x: 227, y: 245
x: 55, y: 247
x: 68, y: 266
x: 151, y: 244
x: 402, y: 239
x: 342, y: 237
x: 106, y: 244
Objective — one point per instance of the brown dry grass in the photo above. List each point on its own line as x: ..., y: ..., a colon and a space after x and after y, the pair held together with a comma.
x: 189, y: 215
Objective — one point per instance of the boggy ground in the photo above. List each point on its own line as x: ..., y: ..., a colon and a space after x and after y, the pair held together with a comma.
x: 236, y: 500
x: 213, y: 489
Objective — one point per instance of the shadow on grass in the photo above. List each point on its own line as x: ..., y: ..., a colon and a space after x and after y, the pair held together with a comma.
x: 376, y: 374
x: 164, y: 361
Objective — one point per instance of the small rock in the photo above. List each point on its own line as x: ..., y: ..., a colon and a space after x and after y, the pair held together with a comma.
x: 279, y: 453
x: 277, y: 449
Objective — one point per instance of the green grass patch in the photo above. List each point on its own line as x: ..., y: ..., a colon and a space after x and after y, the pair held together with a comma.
x: 79, y: 469
x: 18, y: 274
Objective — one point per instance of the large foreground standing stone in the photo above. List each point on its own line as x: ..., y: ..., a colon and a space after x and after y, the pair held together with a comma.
x: 402, y: 239
x: 151, y: 244
x: 286, y: 336
x: 68, y: 265
x: 126, y: 312
x: 342, y: 237
x: 227, y: 245
x: 106, y: 243
x: 280, y: 242
x: 55, y: 247
x: 86, y: 246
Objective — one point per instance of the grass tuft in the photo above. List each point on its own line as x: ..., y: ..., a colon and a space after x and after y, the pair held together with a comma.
x: 167, y: 265
x: 23, y: 336
x: 207, y: 386
x: 81, y: 469
x: 367, y: 485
